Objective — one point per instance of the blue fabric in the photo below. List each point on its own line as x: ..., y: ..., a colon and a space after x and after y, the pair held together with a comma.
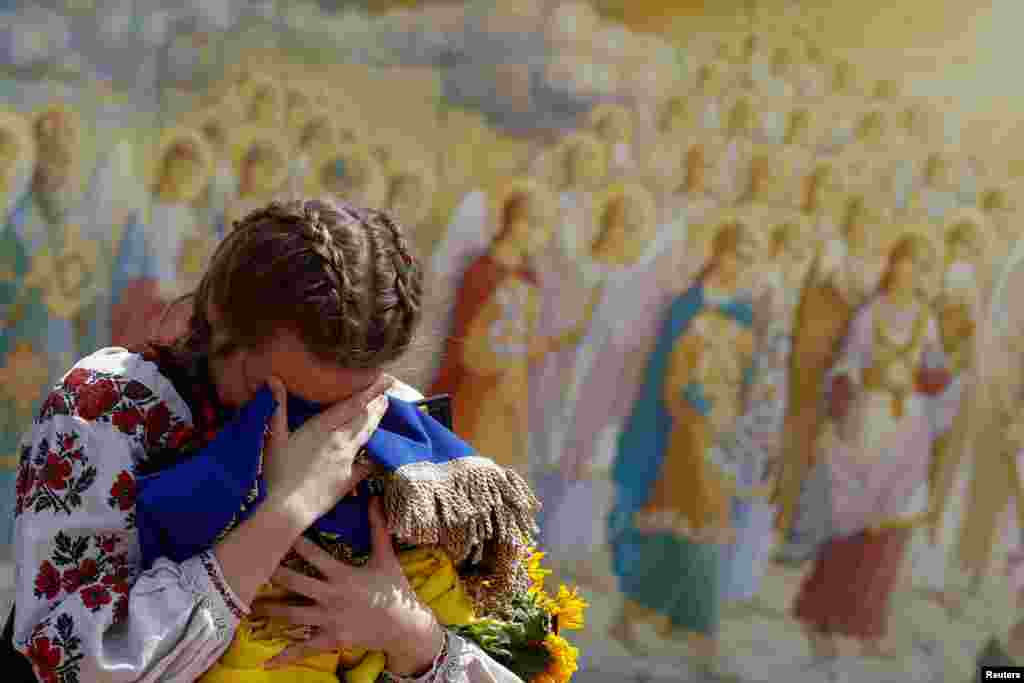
x: 181, y: 510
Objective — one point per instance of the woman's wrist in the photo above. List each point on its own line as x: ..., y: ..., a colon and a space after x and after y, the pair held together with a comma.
x: 415, y: 653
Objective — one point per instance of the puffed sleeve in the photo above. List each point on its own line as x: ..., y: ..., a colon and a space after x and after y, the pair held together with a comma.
x: 84, y: 613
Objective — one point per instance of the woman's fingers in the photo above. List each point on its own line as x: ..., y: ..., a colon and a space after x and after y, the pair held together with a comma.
x: 320, y: 643
x: 298, y: 615
x: 383, y: 550
x: 305, y: 586
x: 348, y: 410
x: 319, y: 558
x: 279, y: 420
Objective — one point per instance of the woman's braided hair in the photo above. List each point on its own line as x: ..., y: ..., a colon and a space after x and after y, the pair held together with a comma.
x: 343, y: 278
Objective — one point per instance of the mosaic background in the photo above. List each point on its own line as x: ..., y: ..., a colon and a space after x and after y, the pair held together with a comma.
x: 719, y: 206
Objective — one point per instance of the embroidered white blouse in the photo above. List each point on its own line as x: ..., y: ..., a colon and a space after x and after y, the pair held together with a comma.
x: 84, y: 611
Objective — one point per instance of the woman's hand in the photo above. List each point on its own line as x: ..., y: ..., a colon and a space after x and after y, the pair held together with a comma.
x: 309, y: 471
x: 371, y: 607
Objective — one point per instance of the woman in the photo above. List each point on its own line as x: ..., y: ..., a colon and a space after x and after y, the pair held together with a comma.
x: 881, y: 397
x: 287, y: 303
x: 670, y: 514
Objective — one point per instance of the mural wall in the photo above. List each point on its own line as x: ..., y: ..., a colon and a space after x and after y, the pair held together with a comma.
x: 745, y: 319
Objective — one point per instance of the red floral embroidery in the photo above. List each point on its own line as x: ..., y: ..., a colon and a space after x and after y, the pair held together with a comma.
x: 137, y: 391
x: 47, y: 581
x: 47, y: 478
x: 54, y: 652
x: 95, y: 597
x: 158, y: 423
x: 76, y: 378
x: 56, y: 472
x: 46, y: 658
x: 122, y: 493
x: 96, y: 399
x: 128, y: 420
x: 94, y: 578
x: 126, y: 403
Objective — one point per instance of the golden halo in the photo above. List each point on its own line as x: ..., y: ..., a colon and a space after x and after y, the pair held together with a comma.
x: 17, y: 126
x: 245, y: 139
x: 621, y: 115
x: 670, y: 102
x: 636, y: 193
x: 259, y: 84
x: 544, y: 200
x: 425, y: 175
x: 190, y: 190
x: 924, y: 231
x: 979, y: 234
x: 74, y: 119
x: 373, y: 192
x: 316, y: 115
x: 575, y: 140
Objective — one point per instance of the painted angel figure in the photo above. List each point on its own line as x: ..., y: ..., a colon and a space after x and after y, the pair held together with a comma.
x: 811, y: 70
x: 493, y: 343
x: 936, y: 193
x: 314, y: 134
x: 671, y: 511
x: 614, y: 126
x: 579, y: 163
x: 868, y: 160
x: 842, y: 277
x: 222, y: 189
x: 709, y: 94
x: 1000, y: 206
x: 66, y: 234
x: 627, y: 296
x: 994, y: 511
x: 881, y: 395
x: 959, y: 310
x: 410, y: 194
x: 995, y: 506
x: 17, y: 165
x: 751, y: 455
x: 263, y: 101
x: 733, y: 152
x: 182, y: 173
x: 793, y: 161
x: 753, y: 68
x: 260, y: 157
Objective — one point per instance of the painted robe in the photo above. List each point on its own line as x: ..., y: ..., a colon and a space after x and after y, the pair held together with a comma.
x: 602, y: 381
x: 751, y: 456
x: 485, y: 366
x: 666, y: 486
x: 879, y: 472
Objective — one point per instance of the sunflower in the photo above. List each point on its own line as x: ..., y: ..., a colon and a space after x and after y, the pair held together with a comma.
x: 567, y: 608
x: 535, y: 571
x: 562, y: 665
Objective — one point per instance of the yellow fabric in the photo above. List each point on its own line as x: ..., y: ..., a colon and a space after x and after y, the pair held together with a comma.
x: 430, y: 572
